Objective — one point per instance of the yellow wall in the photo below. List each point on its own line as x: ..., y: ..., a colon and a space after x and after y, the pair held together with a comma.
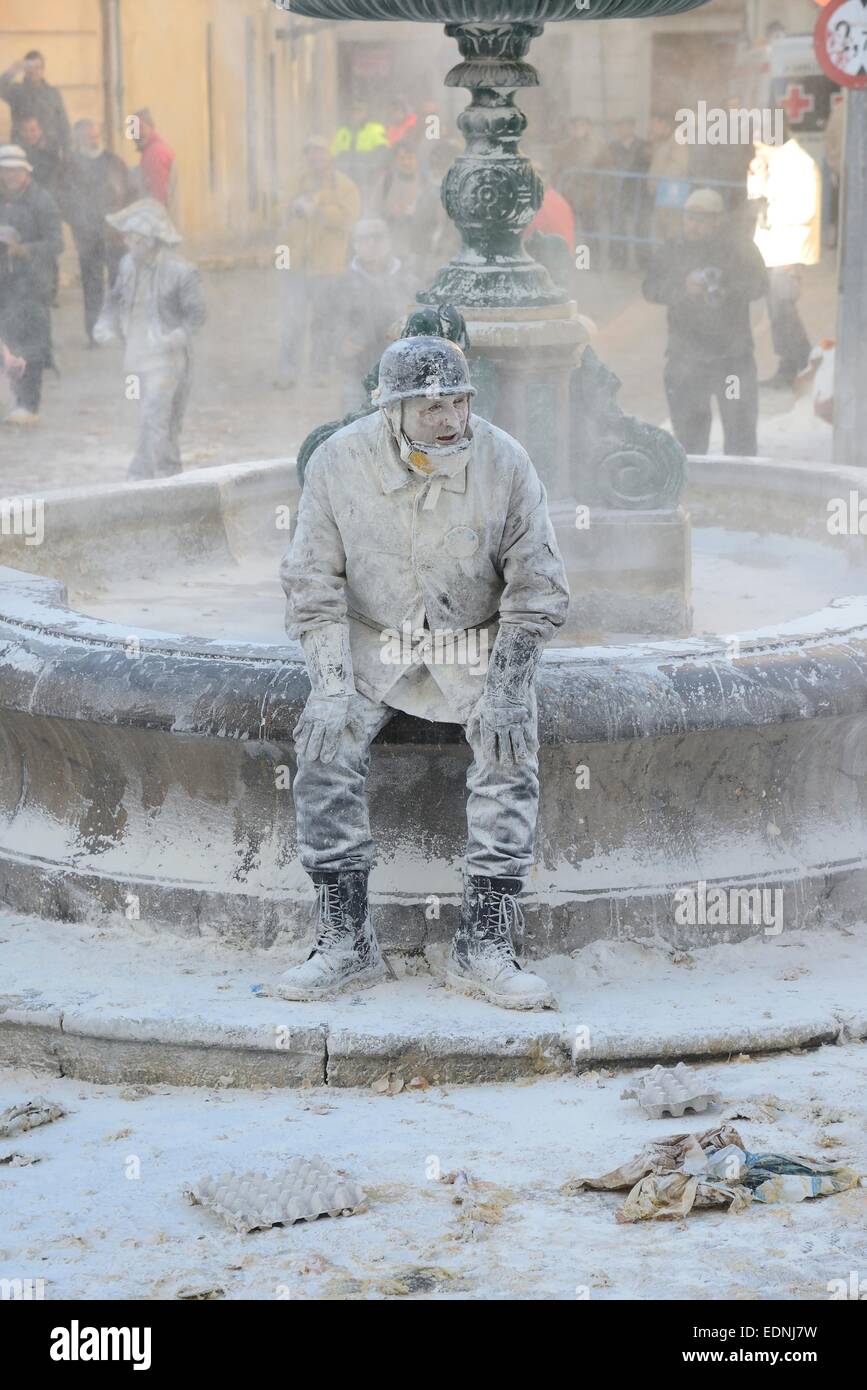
x: 159, y: 59
x: 164, y: 66
x: 68, y: 32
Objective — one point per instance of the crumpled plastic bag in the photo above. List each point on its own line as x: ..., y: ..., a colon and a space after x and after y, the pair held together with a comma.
x: 676, y: 1195
x: 686, y: 1172
x: 779, y: 1178
x: 667, y: 1155
x: 28, y: 1114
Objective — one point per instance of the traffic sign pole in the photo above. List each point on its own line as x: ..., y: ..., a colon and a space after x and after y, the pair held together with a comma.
x: 850, y: 359
x: 840, y: 40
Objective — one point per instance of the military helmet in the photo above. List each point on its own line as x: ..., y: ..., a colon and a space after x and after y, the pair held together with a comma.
x: 422, y: 366
x: 438, y: 321
x: 148, y: 218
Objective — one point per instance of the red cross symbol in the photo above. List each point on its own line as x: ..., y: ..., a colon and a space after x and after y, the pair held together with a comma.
x: 797, y: 102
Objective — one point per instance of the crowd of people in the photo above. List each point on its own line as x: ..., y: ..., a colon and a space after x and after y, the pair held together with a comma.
x: 711, y: 228
x: 366, y: 229
x: 134, y: 286
x: 626, y: 194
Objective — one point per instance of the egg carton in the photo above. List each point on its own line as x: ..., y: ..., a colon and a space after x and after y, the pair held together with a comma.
x: 303, y: 1191
x: 670, y: 1091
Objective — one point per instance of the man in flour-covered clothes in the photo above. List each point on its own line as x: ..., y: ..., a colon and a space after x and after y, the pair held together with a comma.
x: 421, y: 515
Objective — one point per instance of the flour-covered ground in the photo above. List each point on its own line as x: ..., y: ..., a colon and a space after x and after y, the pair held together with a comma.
x: 102, y: 1214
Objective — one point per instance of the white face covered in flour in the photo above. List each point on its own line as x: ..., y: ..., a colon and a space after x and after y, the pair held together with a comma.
x: 438, y: 420
x: 141, y: 248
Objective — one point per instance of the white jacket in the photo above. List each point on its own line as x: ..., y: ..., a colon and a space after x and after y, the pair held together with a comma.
x: 790, y: 180
x: 378, y: 546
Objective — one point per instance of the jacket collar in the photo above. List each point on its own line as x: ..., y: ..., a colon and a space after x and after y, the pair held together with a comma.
x: 393, y: 472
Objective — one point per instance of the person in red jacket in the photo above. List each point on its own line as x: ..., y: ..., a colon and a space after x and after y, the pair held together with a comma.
x: 157, y: 168
x: 401, y: 121
x: 555, y: 218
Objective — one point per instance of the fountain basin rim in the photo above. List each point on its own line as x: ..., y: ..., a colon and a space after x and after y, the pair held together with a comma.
x: 58, y: 664
x: 32, y: 603
x: 208, y: 479
x: 481, y: 12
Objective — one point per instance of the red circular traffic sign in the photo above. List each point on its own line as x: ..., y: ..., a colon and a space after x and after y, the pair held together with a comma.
x: 840, y: 39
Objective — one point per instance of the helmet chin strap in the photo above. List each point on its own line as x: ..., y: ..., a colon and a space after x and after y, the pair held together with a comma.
x: 420, y: 456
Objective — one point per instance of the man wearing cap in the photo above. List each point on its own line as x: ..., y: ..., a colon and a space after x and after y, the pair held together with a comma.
x: 423, y: 576
x: 33, y: 96
x: 707, y: 278
x: 95, y: 183
x: 31, y: 239
x: 156, y: 304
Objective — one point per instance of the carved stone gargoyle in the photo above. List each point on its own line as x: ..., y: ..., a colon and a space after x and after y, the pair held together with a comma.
x: 619, y: 461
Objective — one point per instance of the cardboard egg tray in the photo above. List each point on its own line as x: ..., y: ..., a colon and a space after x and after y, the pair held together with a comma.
x: 670, y: 1091
x: 303, y: 1191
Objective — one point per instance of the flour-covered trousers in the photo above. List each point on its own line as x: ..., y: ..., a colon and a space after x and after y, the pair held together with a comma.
x: 165, y: 390
x: 331, y: 812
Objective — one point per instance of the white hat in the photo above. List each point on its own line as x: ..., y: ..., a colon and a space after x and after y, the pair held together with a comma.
x: 147, y: 217
x: 704, y: 200
x: 13, y: 157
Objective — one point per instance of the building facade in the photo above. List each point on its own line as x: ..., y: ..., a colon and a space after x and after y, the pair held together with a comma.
x: 231, y: 89
x: 235, y: 86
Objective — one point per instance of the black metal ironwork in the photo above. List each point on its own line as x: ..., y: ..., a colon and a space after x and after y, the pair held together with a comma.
x: 491, y: 192
x: 485, y: 11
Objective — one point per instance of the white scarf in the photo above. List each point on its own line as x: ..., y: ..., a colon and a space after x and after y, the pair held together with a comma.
x: 424, y: 458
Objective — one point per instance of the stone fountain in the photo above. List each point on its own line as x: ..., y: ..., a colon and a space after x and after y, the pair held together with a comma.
x: 146, y: 775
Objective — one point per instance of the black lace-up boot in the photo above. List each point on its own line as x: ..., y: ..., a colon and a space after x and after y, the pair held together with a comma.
x: 346, y: 955
x: 482, y: 959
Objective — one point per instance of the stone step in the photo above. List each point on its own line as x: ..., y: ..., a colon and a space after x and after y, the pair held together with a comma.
x: 129, y: 1005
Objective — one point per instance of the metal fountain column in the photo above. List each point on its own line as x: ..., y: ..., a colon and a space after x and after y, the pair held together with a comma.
x: 492, y: 192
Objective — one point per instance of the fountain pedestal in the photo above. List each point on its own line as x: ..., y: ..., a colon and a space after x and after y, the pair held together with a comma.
x: 623, y: 536
x: 522, y: 362
x: 613, y: 482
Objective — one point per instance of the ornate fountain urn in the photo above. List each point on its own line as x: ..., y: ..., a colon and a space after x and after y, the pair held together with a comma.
x: 492, y: 192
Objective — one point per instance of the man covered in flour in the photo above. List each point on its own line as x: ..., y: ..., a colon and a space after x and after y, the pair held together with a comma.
x: 155, y: 305
x: 426, y: 523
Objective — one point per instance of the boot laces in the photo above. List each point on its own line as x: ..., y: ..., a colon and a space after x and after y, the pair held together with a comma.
x: 332, y: 929
x: 502, y: 916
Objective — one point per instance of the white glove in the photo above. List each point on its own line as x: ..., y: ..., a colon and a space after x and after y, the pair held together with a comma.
x: 504, y: 714
x: 318, y: 732
x: 326, y: 713
x: 506, y: 728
